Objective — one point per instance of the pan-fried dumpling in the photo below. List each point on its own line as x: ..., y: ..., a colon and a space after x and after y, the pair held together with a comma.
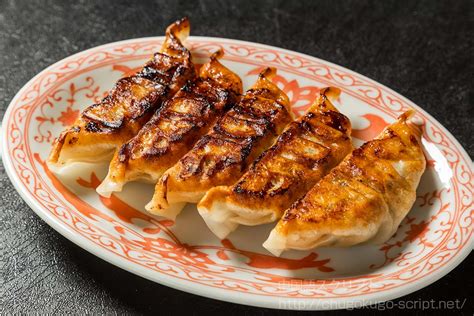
x: 301, y: 156
x: 103, y: 127
x: 222, y: 156
x: 364, y: 199
x: 173, y: 130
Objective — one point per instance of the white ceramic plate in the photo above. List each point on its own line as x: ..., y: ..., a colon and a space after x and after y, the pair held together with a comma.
x: 433, y: 239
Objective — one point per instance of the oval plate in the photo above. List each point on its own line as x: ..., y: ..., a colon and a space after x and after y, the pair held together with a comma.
x: 433, y: 239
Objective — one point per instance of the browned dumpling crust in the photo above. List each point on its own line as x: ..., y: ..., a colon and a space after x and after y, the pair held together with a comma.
x: 174, y: 129
x: 224, y: 154
x: 364, y: 199
x: 306, y: 151
x: 103, y: 127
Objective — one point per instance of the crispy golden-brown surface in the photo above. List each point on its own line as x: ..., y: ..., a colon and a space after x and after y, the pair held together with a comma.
x: 363, y: 199
x: 301, y: 156
x: 221, y: 156
x: 104, y: 126
x: 173, y: 130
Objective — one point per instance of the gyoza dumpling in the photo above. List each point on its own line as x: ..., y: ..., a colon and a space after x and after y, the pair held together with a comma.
x: 364, y: 199
x: 101, y: 128
x: 173, y: 130
x: 301, y: 156
x: 222, y: 156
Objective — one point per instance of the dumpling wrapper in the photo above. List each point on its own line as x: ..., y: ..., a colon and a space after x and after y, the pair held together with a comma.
x: 103, y: 127
x: 223, y: 155
x: 175, y: 128
x: 306, y: 151
x: 363, y: 200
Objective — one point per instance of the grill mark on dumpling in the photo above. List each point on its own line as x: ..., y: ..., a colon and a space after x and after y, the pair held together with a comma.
x: 371, y: 174
x: 342, y: 178
x: 336, y: 120
x: 195, y: 162
x: 156, y: 81
x: 334, y: 182
x: 261, y: 93
x: 256, y: 129
x: 251, y: 113
x: 111, y: 113
x: 268, y: 189
x: 302, y: 129
x: 165, y: 69
x: 183, y: 114
x: 260, y: 106
x: 93, y: 127
x: 305, y: 129
x: 356, y: 170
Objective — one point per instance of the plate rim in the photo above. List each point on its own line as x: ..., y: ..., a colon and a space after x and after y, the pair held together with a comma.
x: 202, y: 290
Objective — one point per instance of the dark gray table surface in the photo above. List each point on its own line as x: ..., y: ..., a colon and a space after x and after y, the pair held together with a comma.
x: 422, y: 49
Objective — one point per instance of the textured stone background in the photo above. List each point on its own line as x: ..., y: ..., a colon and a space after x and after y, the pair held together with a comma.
x: 422, y: 49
